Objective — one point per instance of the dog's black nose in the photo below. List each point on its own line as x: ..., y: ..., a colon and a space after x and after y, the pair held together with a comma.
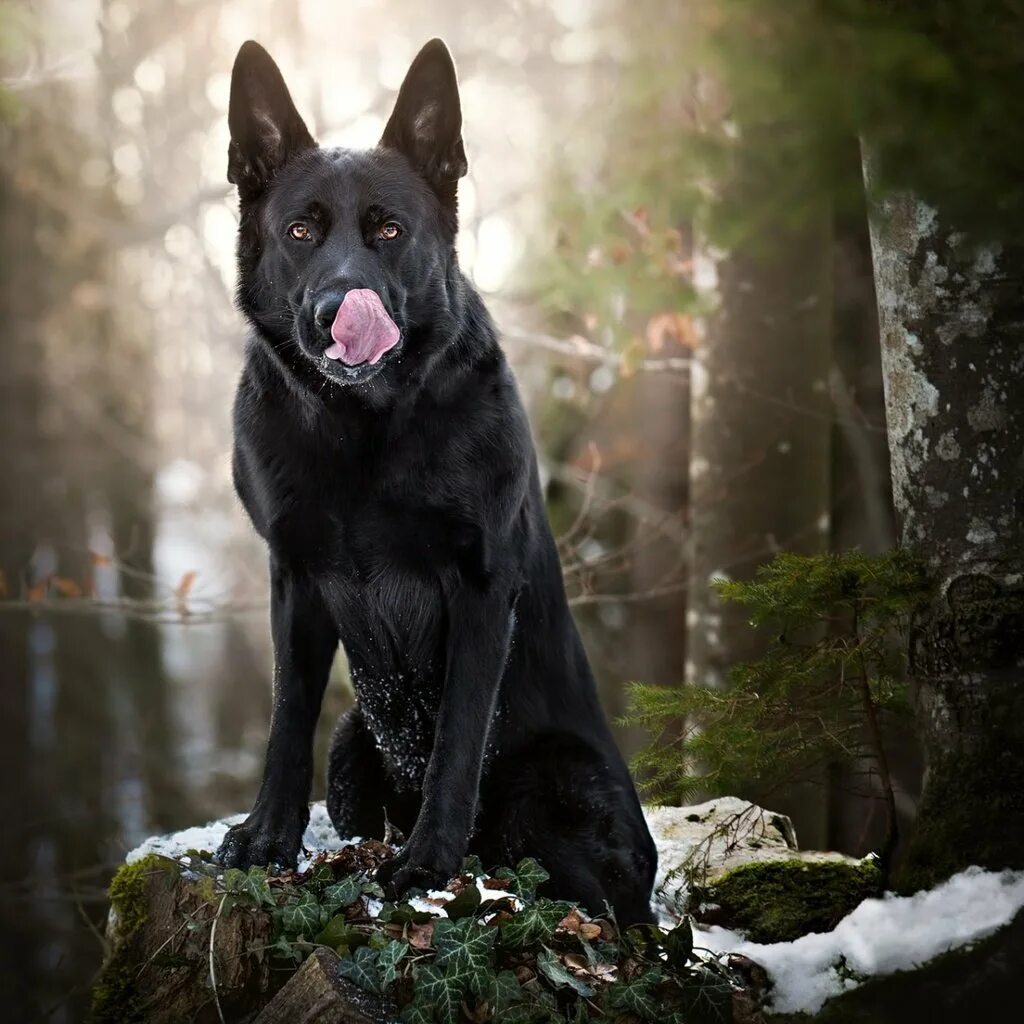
x: 326, y: 310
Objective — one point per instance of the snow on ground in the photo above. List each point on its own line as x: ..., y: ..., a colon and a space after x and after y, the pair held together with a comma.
x: 319, y: 835
x: 882, y: 936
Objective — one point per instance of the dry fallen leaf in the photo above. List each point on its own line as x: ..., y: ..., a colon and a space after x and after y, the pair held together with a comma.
x: 572, y: 921
x: 421, y: 936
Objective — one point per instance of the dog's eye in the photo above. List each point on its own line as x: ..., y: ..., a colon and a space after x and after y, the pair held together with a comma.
x: 299, y: 231
x: 389, y: 231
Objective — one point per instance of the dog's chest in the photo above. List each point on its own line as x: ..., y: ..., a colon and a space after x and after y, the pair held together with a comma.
x: 400, y: 709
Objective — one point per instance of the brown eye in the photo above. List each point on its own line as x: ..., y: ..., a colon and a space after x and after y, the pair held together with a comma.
x: 389, y: 231
x: 299, y: 231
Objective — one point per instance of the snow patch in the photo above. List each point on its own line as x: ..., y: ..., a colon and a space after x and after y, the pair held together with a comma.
x: 319, y: 836
x: 882, y: 936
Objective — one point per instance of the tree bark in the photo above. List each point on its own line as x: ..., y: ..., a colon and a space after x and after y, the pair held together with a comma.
x: 951, y: 316
x: 317, y: 994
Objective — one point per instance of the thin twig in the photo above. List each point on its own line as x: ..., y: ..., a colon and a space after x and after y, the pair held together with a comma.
x: 159, y: 949
x: 213, y: 972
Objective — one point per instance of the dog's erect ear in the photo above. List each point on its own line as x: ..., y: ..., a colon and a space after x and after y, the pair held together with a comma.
x: 426, y: 124
x: 265, y: 126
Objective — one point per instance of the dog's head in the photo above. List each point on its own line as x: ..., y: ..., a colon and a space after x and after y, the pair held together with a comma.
x: 345, y: 256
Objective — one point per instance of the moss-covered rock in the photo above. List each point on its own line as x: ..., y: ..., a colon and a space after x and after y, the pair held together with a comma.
x: 778, y: 901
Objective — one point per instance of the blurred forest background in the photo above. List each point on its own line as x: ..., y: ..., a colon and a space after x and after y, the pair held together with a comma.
x: 665, y: 212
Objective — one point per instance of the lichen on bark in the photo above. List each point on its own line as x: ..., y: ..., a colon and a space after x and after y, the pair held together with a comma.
x: 951, y: 314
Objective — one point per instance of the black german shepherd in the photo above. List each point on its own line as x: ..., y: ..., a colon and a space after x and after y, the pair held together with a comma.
x: 382, y: 452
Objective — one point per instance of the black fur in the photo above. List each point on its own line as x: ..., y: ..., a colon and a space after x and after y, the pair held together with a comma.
x: 403, y: 512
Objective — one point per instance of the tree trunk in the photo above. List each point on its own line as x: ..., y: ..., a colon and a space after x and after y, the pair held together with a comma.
x: 951, y: 316
x: 760, y: 453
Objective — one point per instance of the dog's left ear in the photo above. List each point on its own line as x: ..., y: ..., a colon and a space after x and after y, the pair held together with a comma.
x: 426, y: 124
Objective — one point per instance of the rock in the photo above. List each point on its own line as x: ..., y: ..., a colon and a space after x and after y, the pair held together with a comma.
x: 780, y: 900
x: 699, y: 844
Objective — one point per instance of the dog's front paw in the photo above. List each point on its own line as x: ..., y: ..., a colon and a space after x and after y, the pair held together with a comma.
x: 416, y: 867
x: 261, y: 842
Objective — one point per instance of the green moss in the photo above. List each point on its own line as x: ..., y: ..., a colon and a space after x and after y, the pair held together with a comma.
x: 113, y: 995
x: 777, y: 901
x: 128, y: 893
x: 972, y: 812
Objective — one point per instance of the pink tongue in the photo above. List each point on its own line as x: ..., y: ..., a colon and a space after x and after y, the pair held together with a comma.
x: 362, y: 330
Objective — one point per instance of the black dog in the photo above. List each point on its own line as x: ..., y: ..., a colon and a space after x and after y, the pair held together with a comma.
x: 382, y: 451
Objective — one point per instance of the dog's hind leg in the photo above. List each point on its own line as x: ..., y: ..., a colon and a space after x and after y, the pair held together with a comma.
x: 573, y: 808
x: 359, y: 792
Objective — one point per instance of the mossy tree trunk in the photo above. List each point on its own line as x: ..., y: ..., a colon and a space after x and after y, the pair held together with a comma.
x: 951, y: 315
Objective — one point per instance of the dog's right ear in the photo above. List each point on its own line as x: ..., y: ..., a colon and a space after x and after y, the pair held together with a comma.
x: 266, y: 129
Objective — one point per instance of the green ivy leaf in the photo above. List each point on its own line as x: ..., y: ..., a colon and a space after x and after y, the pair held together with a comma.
x: 390, y: 956
x: 473, y: 865
x: 559, y: 975
x: 322, y: 876
x: 403, y: 913
x: 439, y: 991
x: 464, y: 950
x: 502, y: 991
x: 528, y: 876
x: 338, y: 932
x: 642, y: 937
x: 418, y: 1012
x: 361, y: 968
x: 285, y: 950
x: 342, y: 894
x: 465, y: 904
x: 679, y: 944
x: 303, y: 916
x: 233, y: 878
x: 255, y: 887
x: 533, y: 924
x: 706, y: 990
x: 639, y: 996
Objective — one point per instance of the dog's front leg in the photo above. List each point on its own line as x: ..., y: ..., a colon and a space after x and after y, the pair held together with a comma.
x: 305, y: 641
x: 479, y: 627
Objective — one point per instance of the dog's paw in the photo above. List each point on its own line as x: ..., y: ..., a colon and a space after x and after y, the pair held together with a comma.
x: 260, y: 843
x: 414, y: 868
